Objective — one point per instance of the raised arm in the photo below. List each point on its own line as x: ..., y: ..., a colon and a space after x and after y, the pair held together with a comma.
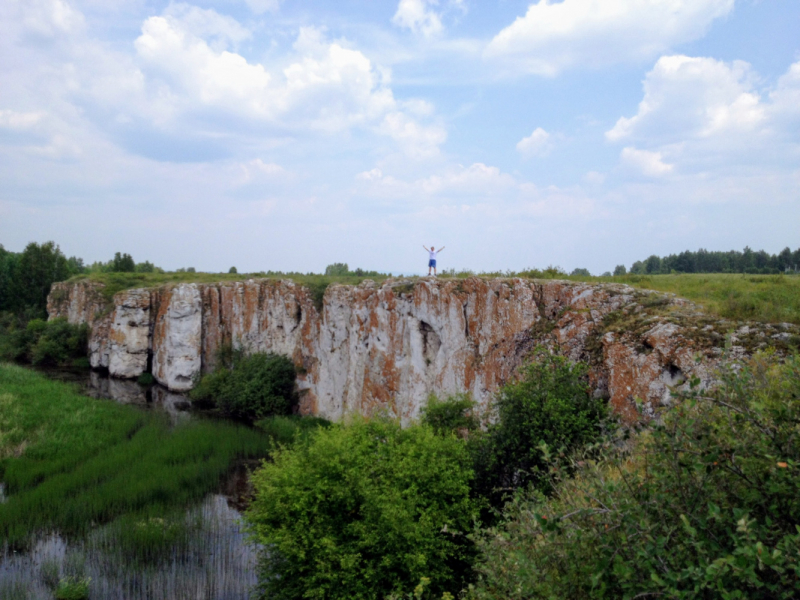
x: 442, y: 248
x: 423, y: 245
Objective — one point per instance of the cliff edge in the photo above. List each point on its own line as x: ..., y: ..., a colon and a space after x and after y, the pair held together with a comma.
x: 387, y: 347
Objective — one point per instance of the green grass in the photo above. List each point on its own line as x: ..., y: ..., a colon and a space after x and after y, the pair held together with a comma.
x: 765, y: 298
x: 70, y: 462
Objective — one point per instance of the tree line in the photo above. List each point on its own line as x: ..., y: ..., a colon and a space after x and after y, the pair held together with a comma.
x: 26, y: 277
x: 705, y: 261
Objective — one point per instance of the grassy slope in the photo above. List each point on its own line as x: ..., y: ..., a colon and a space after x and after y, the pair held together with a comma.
x: 69, y: 461
x: 767, y: 298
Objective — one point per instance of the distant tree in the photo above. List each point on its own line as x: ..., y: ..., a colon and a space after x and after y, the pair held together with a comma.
x: 39, y: 266
x: 620, y: 270
x: 581, y: 272
x: 232, y: 270
x: 337, y: 269
x: 606, y: 274
x: 76, y: 266
x: 122, y: 263
x: 145, y: 267
x: 638, y: 268
x: 652, y: 264
x: 190, y: 270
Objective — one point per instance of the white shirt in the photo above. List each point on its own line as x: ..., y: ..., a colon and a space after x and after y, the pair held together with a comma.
x: 433, y: 254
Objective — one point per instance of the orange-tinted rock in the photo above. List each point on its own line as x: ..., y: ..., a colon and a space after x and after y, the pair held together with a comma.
x: 385, y: 348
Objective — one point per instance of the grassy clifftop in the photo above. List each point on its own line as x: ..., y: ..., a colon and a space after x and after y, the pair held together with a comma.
x: 765, y: 298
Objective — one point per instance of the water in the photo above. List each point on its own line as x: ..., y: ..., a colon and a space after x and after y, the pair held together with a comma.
x: 217, y: 563
x: 97, y: 384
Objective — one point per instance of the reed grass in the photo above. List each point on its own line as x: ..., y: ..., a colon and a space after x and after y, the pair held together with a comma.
x: 72, y: 462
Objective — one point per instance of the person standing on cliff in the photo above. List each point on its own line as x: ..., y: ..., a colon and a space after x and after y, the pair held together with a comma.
x: 432, y: 258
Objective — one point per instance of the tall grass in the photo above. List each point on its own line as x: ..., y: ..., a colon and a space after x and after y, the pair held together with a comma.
x: 765, y: 298
x: 72, y: 462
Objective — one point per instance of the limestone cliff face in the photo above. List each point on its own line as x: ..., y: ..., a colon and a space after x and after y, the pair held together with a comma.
x: 387, y: 347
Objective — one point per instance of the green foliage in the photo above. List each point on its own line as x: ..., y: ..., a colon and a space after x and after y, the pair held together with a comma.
x: 145, y: 267
x: 581, y: 273
x: 146, y: 379
x: 364, y: 510
x: 250, y: 387
x: 703, y: 261
x: 232, y: 270
x: 286, y: 430
x: 453, y: 415
x: 54, y: 343
x: 25, y: 278
x: 337, y: 269
x: 73, y: 588
x: 122, y: 263
x: 548, y: 410
x: 69, y: 461
x: 620, y: 270
x: 705, y: 505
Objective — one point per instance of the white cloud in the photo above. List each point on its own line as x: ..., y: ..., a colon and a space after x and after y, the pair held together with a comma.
x: 418, y: 16
x: 10, y: 119
x: 261, y: 6
x: 554, y: 36
x: 219, y: 31
x: 686, y: 97
x: 49, y: 18
x: 648, y: 163
x: 326, y: 86
x: 417, y: 141
x: 537, y: 143
x: 706, y: 117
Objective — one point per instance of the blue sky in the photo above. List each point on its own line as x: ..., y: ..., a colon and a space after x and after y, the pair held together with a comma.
x: 284, y: 135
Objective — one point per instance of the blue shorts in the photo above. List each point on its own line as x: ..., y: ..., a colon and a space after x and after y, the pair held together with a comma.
x: 431, y: 263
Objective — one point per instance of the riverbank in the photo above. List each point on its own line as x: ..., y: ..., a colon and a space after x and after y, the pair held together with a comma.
x: 84, y: 476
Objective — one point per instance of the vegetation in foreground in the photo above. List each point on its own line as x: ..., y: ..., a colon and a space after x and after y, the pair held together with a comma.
x: 353, y: 514
x: 705, y: 504
x: 69, y: 461
x: 367, y: 509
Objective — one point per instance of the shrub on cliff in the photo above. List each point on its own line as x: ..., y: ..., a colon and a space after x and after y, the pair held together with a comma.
x: 707, y: 505
x: 362, y: 510
x: 250, y: 387
x: 549, y: 409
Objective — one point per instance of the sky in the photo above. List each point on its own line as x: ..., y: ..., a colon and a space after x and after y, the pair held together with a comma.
x: 288, y: 135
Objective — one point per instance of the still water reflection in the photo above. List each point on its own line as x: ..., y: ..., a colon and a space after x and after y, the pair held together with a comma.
x: 219, y: 563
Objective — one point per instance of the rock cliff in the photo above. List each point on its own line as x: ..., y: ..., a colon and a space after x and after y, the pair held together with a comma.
x: 387, y: 347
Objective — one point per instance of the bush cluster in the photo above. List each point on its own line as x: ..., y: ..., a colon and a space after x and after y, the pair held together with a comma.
x: 372, y: 510
x: 39, y: 342
x: 249, y: 387
x: 705, y: 504
x: 362, y: 510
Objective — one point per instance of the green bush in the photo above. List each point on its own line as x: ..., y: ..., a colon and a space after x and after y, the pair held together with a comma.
x: 40, y: 342
x: 454, y: 414
x: 286, y: 430
x: 549, y: 409
x: 364, y: 510
x: 250, y: 387
x: 704, y: 505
